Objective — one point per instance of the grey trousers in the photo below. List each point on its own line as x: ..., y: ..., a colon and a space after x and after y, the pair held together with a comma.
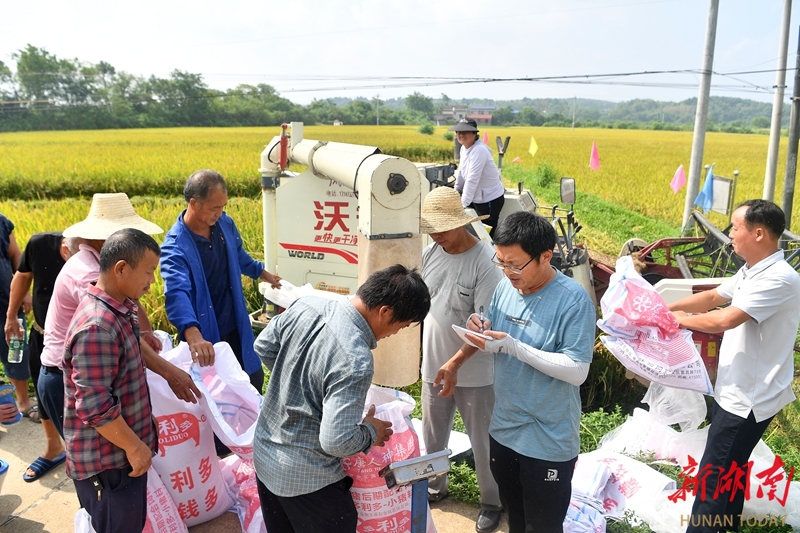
x: 475, y: 405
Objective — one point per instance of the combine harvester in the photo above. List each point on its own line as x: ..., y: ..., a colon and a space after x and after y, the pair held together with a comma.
x: 355, y: 210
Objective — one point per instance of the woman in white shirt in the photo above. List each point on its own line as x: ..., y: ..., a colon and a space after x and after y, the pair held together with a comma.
x: 477, y: 179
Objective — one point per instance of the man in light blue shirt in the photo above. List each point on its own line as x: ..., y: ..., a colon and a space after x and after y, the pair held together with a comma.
x: 541, y: 327
x: 319, y: 354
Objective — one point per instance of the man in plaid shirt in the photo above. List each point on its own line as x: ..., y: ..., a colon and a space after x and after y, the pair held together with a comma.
x: 109, y: 431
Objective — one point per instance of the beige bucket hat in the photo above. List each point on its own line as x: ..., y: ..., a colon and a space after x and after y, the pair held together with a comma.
x: 442, y: 211
x: 110, y: 212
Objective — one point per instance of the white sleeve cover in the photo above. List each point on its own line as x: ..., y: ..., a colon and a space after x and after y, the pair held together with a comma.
x: 556, y: 365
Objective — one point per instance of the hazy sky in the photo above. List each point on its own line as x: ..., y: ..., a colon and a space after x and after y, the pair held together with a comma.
x: 320, y: 49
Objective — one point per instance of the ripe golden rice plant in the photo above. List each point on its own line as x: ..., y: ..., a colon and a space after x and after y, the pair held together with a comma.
x: 56, y: 215
x: 636, y: 165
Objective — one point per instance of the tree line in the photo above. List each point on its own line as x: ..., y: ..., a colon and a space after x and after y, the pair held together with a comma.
x: 45, y: 92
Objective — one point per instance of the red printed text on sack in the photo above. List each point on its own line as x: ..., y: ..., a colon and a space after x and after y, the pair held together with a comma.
x: 177, y: 428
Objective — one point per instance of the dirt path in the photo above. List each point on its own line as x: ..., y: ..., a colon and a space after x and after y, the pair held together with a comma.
x: 49, y: 504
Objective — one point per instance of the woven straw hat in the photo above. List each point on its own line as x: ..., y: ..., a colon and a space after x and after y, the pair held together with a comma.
x: 442, y: 211
x: 110, y: 212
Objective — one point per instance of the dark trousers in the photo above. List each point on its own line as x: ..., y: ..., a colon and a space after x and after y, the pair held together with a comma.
x: 328, y: 510
x: 534, y: 493
x: 50, y: 389
x: 730, y: 438
x: 35, y: 347
x: 492, y: 209
x: 122, y: 506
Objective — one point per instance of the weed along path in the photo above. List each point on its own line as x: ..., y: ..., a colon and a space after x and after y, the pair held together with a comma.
x: 48, y: 505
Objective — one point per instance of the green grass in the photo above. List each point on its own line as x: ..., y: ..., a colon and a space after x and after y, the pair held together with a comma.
x: 606, y: 226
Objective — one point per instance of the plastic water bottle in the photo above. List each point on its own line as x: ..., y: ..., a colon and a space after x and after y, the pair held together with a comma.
x: 16, y: 346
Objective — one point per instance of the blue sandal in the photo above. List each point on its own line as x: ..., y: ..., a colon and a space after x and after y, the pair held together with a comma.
x: 42, y: 466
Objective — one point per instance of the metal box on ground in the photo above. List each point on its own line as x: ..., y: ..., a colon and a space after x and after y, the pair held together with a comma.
x: 406, y: 472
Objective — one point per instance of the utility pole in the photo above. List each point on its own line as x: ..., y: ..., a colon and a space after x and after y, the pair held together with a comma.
x: 701, y: 115
x: 574, y: 105
x: 377, y: 110
x: 777, y: 106
x: 791, y: 155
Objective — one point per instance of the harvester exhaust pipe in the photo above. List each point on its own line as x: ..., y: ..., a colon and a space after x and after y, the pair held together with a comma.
x: 283, y: 160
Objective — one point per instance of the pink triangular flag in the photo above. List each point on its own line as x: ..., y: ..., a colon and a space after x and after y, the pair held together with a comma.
x: 486, y: 138
x: 678, y: 180
x: 516, y: 160
x: 594, y: 160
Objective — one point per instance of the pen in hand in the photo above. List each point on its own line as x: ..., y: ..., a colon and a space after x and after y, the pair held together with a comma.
x: 480, y: 315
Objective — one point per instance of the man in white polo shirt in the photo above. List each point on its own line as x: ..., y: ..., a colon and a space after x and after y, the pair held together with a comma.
x: 756, y: 364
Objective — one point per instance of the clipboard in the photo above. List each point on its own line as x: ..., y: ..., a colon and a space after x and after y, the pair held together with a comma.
x: 461, y: 332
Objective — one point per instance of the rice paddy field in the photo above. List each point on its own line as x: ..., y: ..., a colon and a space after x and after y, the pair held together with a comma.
x: 636, y: 165
x: 47, y: 178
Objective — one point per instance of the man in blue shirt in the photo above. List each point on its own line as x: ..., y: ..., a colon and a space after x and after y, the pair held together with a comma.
x: 202, y: 262
x: 319, y: 355
x: 541, y: 327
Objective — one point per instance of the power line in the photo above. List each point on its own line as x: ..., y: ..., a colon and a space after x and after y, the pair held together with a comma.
x: 399, y: 82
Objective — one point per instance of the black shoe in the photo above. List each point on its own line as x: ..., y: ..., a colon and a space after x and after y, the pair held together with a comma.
x: 488, y: 520
x: 434, y: 497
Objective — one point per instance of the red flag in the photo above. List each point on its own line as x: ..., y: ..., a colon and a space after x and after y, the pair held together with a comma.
x: 594, y: 160
x: 678, y: 180
x: 486, y: 138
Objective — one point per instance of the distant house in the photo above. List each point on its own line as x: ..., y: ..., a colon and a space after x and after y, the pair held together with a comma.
x: 452, y: 113
x: 482, y: 110
x: 482, y: 120
x: 337, y: 122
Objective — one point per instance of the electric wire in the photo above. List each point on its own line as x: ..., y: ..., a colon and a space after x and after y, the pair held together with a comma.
x: 399, y: 82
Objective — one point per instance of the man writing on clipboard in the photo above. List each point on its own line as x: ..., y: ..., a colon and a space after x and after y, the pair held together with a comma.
x: 541, y: 325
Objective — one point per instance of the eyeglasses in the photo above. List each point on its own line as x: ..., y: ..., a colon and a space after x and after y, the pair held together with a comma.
x: 512, y: 269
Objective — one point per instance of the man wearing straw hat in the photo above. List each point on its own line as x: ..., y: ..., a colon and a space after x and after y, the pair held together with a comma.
x: 109, y: 212
x: 458, y: 269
